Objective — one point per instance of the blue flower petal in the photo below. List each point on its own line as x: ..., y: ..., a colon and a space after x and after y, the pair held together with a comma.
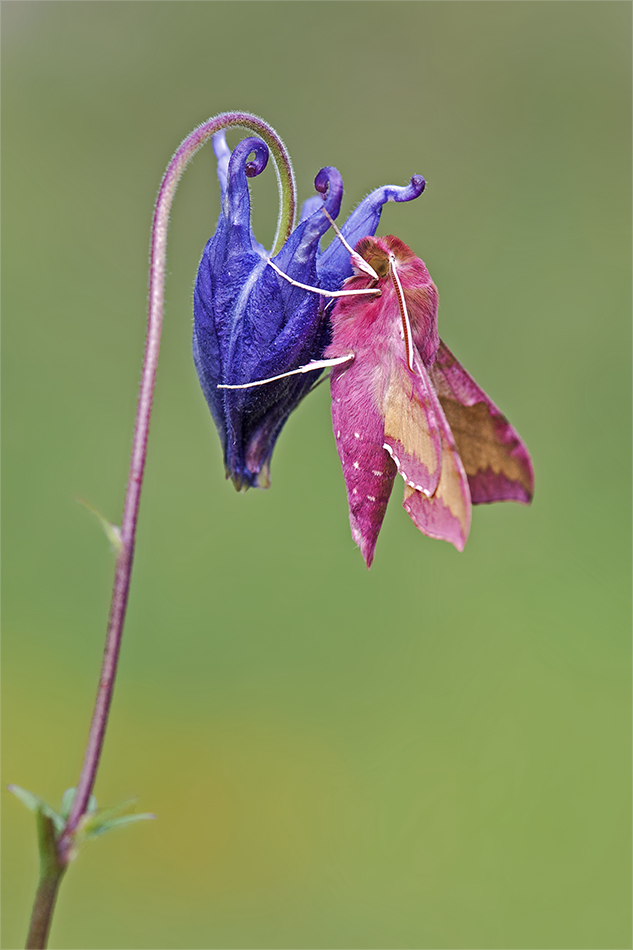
x: 309, y: 206
x: 222, y: 154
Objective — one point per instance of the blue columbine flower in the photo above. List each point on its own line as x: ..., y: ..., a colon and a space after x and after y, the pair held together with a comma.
x: 250, y: 323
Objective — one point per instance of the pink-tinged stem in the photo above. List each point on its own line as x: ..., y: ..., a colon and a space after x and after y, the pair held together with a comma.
x: 123, y: 570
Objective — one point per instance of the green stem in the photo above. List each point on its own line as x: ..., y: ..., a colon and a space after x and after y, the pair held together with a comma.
x: 52, y: 869
x: 43, y: 907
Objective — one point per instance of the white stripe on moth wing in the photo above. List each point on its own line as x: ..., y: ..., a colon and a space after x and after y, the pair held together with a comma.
x: 312, y: 365
x: 318, y: 290
x: 392, y: 454
x: 413, y: 485
x: 419, y: 488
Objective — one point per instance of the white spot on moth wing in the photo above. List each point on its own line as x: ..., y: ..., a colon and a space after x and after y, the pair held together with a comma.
x: 357, y: 435
x: 354, y: 491
x: 356, y: 465
x: 371, y: 497
x: 377, y: 474
x: 338, y: 434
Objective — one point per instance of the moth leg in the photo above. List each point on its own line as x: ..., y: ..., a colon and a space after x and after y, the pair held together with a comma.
x: 318, y: 290
x: 312, y: 365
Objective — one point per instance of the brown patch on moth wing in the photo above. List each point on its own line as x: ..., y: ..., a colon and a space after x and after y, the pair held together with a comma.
x: 406, y: 420
x: 475, y: 432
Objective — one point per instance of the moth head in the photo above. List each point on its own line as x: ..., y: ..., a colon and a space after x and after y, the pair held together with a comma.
x: 376, y: 251
x: 376, y: 255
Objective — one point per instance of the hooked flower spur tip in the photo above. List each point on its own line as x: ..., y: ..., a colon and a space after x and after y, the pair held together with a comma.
x: 250, y: 323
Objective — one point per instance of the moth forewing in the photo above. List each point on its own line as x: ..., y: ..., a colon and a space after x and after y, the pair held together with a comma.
x: 412, y: 437
x: 447, y: 514
x: 368, y: 470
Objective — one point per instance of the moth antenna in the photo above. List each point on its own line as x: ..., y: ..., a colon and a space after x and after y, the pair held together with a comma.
x: 318, y: 290
x: 313, y: 364
x: 404, y: 313
x: 359, y: 262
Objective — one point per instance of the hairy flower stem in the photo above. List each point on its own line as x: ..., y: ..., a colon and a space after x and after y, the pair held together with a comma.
x: 45, y: 899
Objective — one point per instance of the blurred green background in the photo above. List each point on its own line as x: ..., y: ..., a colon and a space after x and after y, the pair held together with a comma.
x: 435, y: 754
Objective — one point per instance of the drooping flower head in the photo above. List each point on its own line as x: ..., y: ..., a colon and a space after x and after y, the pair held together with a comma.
x: 250, y: 323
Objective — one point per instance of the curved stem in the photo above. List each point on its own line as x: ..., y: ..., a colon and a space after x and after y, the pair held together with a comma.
x: 182, y: 156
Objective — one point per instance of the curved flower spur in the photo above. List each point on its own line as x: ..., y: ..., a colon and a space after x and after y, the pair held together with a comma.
x: 255, y: 321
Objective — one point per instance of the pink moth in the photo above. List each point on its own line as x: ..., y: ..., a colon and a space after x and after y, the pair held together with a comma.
x: 405, y: 405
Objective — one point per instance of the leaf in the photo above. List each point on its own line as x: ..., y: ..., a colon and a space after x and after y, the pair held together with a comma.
x: 112, y: 531
x: 49, y: 826
x: 95, y: 822
x: 104, y: 819
x: 97, y: 828
x: 27, y: 798
x: 38, y: 805
x: 115, y: 811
